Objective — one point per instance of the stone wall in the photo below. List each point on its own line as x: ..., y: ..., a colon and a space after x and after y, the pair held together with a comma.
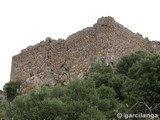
x: 60, y: 60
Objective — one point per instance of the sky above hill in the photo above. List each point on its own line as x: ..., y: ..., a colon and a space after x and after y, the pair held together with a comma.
x: 27, y: 22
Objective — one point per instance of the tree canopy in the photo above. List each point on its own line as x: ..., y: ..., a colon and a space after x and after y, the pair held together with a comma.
x: 11, y: 89
x: 132, y: 87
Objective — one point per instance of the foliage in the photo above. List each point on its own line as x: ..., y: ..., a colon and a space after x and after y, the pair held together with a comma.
x: 145, y: 85
x: 11, y: 89
x: 127, y: 61
x: 134, y: 86
x: 3, y: 110
x: 100, y: 68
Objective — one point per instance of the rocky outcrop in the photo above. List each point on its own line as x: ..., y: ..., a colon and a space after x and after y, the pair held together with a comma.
x: 51, y: 61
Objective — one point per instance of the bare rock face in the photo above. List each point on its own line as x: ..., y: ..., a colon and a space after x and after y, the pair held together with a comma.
x: 51, y: 61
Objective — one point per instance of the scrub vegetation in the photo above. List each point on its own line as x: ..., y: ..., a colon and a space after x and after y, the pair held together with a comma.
x: 133, y: 86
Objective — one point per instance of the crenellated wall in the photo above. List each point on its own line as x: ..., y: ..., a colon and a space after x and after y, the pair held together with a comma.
x: 60, y: 60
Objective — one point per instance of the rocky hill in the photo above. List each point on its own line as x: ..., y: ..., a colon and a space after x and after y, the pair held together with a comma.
x: 51, y: 60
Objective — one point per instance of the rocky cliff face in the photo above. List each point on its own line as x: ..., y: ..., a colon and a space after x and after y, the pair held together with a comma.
x: 51, y: 61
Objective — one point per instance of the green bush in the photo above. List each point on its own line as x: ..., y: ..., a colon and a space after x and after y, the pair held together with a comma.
x: 103, y: 94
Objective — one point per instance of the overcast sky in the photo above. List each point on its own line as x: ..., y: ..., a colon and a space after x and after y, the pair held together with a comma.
x: 27, y: 22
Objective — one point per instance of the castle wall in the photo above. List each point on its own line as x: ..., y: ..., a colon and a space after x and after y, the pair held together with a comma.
x: 51, y: 61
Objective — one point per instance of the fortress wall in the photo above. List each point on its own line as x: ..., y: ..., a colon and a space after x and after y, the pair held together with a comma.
x: 60, y: 60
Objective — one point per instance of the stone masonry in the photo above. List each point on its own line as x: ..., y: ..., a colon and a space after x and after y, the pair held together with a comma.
x: 51, y: 60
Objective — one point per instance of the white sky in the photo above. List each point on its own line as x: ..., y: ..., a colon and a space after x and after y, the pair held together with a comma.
x: 27, y: 22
